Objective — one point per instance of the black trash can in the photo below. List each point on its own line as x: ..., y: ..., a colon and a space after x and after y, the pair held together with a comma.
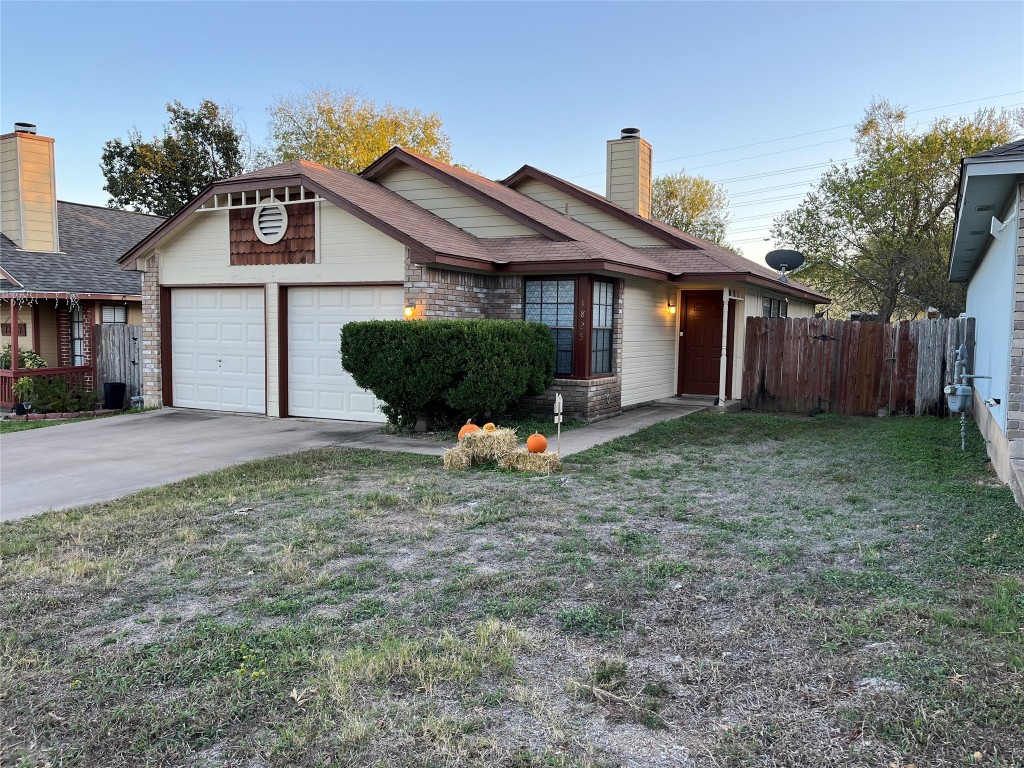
x: 113, y: 395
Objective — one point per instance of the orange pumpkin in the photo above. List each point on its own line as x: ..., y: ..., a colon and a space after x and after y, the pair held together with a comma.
x: 536, y: 443
x: 489, y: 427
x: 468, y: 427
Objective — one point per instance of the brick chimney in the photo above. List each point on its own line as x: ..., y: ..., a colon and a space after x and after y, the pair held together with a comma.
x: 28, y: 189
x: 629, y: 172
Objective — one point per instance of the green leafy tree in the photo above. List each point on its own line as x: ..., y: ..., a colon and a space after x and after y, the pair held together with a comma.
x: 877, y: 233
x: 347, y: 131
x: 693, y: 204
x: 198, y: 146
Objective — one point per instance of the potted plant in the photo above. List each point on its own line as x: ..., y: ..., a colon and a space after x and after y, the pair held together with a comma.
x: 22, y: 395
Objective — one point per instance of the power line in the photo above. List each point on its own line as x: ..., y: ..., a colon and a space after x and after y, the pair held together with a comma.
x: 810, y: 133
x: 759, y: 216
x: 771, y: 189
x: 766, y: 200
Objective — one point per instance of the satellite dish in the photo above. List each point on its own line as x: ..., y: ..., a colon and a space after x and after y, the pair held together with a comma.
x: 784, y: 260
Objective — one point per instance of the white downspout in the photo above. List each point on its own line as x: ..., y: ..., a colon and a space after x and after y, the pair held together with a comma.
x: 724, y: 364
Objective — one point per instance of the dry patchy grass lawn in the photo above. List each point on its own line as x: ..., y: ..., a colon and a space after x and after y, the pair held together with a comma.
x: 730, y: 590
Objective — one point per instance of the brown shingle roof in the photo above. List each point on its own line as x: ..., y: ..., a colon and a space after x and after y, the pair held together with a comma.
x: 562, y: 242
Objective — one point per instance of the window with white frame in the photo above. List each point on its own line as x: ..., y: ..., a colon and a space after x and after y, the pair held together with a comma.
x: 773, y: 307
x: 114, y: 313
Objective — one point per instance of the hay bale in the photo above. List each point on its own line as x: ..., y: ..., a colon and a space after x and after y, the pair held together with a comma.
x: 482, y: 447
x: 457, y: 459
x: 521, y: 460
x: 478, y: 448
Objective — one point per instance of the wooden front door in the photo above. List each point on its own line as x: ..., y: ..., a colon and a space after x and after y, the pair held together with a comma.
x: 700, y: 343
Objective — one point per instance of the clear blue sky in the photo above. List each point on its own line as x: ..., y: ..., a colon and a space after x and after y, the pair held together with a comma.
x: 539, y: 83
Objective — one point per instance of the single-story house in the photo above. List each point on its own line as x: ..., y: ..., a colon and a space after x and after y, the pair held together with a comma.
x: 246, y: 287
x: 58, y: 266
x: 988, y: 255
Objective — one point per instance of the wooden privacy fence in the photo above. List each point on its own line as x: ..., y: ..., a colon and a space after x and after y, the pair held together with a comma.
x: 119, y: 356
x: 813, y: 365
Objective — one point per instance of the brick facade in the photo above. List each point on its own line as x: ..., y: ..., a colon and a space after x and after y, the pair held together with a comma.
x: 443, y: 293
x: 1015, y: 397
x: 152, y: 372
x: 64, y: 352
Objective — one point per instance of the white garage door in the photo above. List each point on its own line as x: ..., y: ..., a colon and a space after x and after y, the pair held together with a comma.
x: 317, y: 384
x: 218, y: 349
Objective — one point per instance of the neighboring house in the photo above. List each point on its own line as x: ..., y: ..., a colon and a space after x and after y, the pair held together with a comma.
x: 246, y: 287
x: 58, y: 265
x: 988, y: 255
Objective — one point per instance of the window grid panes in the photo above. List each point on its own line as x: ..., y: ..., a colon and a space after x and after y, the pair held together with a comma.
x: 77, y: 337
x: 601, y: 339
x: 553, y: 302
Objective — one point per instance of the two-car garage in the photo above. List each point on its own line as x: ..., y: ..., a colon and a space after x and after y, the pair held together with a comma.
x: 222, y: 338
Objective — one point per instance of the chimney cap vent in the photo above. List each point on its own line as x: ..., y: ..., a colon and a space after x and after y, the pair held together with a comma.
x: 630, y: 133
x: 25, y: 128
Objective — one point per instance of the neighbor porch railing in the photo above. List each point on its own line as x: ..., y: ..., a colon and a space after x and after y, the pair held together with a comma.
x: 74, y: 374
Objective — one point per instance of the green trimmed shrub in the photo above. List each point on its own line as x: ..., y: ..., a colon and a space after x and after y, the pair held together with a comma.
x: 26, y: 359
x: 448, y: 369
x: 56, y: 395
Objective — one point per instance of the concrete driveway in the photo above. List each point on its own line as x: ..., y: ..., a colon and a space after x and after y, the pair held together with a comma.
x: 91, y: 461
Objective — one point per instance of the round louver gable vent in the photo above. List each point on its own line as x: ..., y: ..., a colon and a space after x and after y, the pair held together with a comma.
x: 270, y: 222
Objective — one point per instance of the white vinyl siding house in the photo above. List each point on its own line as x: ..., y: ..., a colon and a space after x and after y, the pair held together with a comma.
x: 349, y: 251
x: 452, y: 205
x: 603, y: 222
x: 650, y: 342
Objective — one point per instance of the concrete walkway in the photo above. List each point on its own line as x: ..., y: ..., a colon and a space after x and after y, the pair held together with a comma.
x: 584, y: 438
x: 94, y: 461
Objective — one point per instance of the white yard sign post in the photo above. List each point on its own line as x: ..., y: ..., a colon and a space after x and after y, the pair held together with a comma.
x: 558, y: 422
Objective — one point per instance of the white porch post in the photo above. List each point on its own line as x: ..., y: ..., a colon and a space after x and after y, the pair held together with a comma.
x: 724, y: 365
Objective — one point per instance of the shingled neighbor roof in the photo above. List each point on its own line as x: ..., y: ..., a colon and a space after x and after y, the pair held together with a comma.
x: 561, y: 243
x: 1012, y: 149
x: 91, y: 241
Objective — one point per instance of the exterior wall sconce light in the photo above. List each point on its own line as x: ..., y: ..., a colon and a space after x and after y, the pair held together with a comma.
x: 409, y: 309
x: 671, y: 307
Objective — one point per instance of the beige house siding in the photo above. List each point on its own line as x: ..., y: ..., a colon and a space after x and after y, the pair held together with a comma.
x: 461, y: 210
x: 649, y: 342
x: 49, y: 347
x: 38, y: 193
x: 628, y: 182
x: 350, y: 251
x: 10, y: 202
x: 46, y: 315
x: 588, y: 214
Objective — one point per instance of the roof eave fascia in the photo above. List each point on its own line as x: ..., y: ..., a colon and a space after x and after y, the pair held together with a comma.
x: 68, y: 295
x: 973, y: 167
x: 397, y: 155
x: 10, y: 278
x: 168, y: 226
x: 745, y: 277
